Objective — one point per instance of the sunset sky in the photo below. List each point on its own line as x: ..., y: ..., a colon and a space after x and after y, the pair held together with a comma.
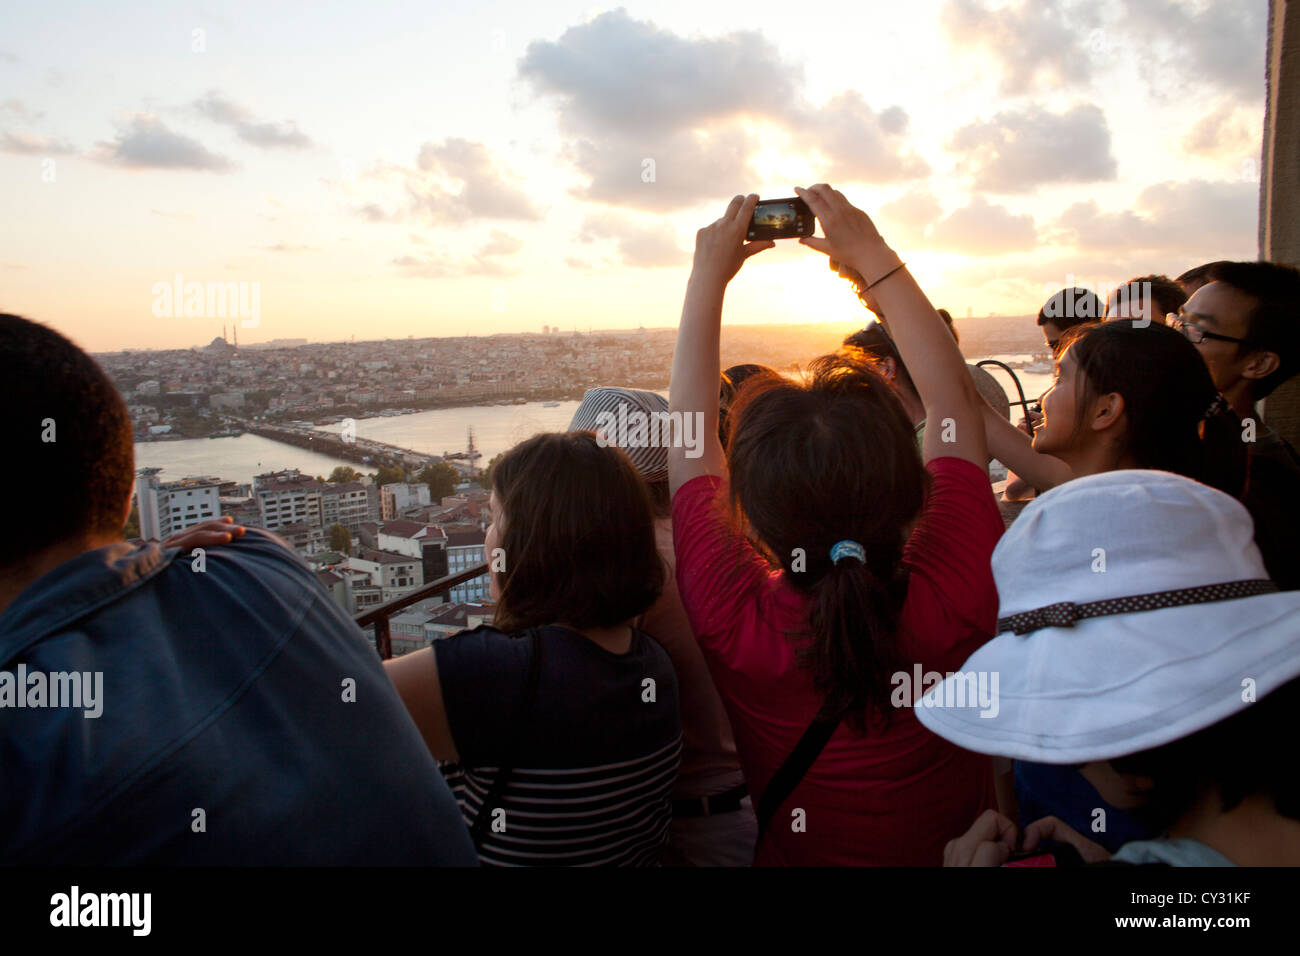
x: 394, y: 169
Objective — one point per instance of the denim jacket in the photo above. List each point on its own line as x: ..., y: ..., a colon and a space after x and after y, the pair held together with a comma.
x: 242, y: 719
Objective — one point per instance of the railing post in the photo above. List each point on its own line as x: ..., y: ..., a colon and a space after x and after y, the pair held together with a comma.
x: 383, y: 639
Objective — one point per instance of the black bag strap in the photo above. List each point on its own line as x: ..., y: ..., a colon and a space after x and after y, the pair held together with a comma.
x: 788, y: 775
x: 522, y: 713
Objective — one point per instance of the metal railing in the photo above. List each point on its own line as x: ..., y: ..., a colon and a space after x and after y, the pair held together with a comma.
x: 378, y: 616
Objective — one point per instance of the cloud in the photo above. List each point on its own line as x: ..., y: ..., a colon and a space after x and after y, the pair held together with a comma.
x: 657, y: 121
x: 1224, y: 133
x: 486, y: 261
x: 147, y: 143
x: 1019, y: 150
x: 640, y: 246
x: 291, y: 248
x: 1215, y: 43
x: 458, y: 180
x: 501, y: 244
x: 33, y: 144
x: 983, y: 229
x: 19, y: 108
x: 907, y: 218
x: 1037, y: 46
x: 1196, y: 219
x: 373, y: 212
x: 858, y: 143
x: 266, y: 135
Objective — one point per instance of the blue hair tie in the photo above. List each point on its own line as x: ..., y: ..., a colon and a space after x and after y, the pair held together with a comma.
x: 848, y: 549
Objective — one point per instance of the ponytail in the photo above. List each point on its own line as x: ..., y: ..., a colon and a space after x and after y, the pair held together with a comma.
x: 852, y: 645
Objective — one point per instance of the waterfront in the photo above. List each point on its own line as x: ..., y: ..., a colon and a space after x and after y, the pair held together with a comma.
x: 496, y: 428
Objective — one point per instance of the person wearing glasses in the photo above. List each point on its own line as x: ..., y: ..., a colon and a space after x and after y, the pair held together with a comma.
x: 1245, y: 323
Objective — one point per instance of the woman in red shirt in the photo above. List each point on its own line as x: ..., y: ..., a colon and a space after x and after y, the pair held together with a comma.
x: 861, y: 559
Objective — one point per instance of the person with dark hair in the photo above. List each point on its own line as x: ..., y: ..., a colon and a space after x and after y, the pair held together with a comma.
x: 713, y: 818
x: 1245, y: 323
x: 1167, y: 684
x: 1197, y: 276
x: 561, y: 714
x: 874, y: 343
x: 1066, y: 309
x: 860, y: 558
x: 189, y: 673
x: 1125, y: 395
x: 731, y: 381
x: 1145, y: 299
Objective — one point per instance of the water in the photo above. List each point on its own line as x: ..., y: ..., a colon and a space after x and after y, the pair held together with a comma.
x: 234, y: 459
x: 496, y: 429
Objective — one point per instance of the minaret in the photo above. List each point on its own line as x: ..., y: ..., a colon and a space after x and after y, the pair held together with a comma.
x: 471, y: 450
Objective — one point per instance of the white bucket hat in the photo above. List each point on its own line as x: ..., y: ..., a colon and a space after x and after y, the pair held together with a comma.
x: 1175, y: 623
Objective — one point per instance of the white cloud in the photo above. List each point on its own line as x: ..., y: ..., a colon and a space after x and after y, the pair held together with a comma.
x: 1037, y: 45
x: 1021, y: 149
x: 1196, y: 220
x: 34, y: 144
x: 1217, y: 44
x: 983, y: 229
x: 627, y: 91
x: 638, y: 245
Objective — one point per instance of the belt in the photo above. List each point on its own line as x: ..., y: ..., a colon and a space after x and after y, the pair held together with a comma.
x: 726, y: 802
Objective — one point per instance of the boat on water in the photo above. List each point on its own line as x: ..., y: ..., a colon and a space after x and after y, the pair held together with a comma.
x: 229, y: 433
x: 550, y: 404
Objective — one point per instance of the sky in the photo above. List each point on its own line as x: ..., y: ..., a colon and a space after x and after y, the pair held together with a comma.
x: 384, y: 170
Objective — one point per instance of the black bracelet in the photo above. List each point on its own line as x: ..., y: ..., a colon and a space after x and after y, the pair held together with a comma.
x: 887, y: 275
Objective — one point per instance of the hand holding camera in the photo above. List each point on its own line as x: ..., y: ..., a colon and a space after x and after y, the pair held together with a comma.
x: 851, y: 238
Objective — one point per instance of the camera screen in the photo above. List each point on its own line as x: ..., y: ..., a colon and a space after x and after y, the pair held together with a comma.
x: 777, y: 215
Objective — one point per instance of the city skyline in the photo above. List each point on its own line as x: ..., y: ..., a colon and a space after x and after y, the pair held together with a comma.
x: 550, y: 167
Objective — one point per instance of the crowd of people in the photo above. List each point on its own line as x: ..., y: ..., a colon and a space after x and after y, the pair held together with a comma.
x: 809, y: 639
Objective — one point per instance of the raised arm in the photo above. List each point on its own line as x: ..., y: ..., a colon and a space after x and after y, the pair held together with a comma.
x: 720, y: 250
x: 1009, y: 445
x: 953, y: 407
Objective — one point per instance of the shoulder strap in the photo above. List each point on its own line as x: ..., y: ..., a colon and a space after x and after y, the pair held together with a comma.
x: 522, y: 713
x: 788, y: 775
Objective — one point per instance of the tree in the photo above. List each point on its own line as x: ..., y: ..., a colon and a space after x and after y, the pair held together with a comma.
x: 340, y: 539
x: 343, y: 474
x: 441, y: 479
x: 485, y: 479
x: 132, y: 529
x: 389, y: 475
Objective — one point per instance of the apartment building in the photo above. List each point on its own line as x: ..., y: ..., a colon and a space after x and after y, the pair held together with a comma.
x: 288, y: 497
x: 347, y: 503
x: 168, y: 507
x: 399, y: 497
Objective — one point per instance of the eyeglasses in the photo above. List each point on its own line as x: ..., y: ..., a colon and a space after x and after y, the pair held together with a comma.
x: 1194, y: 333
